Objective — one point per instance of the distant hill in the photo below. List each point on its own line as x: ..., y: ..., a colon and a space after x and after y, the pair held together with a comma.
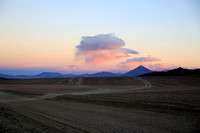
x: 176, y: 72
x: 5, y: 76
x: 83, y: 75
x: 15, y: 76
x: 48, y: 75
x: 58, y: 75
x: 140, y: 70
x: 103, y: 74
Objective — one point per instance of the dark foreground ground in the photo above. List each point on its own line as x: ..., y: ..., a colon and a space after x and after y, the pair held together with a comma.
x: 150, y: 104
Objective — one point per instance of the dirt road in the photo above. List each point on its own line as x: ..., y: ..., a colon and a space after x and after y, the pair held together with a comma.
x: 78, y: 81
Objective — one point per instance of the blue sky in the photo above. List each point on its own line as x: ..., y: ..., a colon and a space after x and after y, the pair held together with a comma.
x: 44, y: 33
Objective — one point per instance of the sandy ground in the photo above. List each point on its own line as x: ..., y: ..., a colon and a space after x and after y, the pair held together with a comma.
x: 135, y: 104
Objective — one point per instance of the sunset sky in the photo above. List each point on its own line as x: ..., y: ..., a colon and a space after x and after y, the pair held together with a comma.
x: 78, y: 36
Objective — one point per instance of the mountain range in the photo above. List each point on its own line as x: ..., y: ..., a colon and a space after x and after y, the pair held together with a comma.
x: 58, y: 75
x: 140, y: 70
x: 135, y: 72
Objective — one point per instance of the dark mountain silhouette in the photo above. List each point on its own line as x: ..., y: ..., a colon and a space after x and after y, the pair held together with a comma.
x: 140, y: 70
x: 176, y: 72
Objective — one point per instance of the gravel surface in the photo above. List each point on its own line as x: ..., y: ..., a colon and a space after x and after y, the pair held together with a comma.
x: 137, y: 105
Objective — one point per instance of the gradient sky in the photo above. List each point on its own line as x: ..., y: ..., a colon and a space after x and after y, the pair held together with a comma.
x: 43, y: 35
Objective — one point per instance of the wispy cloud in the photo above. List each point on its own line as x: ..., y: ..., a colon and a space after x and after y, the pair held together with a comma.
x: 130, y: 63
x: 160, y: 67
x: 102, y: 48
x: 141, y: 59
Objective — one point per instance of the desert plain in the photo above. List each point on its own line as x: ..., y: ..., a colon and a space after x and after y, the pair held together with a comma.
x: 144, y: 104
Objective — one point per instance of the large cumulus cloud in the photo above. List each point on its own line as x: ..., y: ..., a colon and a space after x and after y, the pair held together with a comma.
x: 102, y: 48
x: 100, y: 42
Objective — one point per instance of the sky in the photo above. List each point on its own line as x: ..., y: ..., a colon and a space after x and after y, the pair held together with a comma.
x: 78, y: 36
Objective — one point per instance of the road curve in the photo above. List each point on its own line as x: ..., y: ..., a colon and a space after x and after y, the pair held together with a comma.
x: 133, y: 87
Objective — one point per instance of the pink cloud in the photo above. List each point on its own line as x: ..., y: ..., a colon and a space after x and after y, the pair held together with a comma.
x: 160, y: 67
x: 102, y: 48
x: 102, y: 56
x: 70, y: 67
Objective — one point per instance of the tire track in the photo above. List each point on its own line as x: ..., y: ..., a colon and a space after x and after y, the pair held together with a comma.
x: 79, y: 82
x: 44, y: 118
x: 60, y: 122
x: 75, y: 81
x: 132, y: 83
x: 146, y: 85
x: 70, y: 81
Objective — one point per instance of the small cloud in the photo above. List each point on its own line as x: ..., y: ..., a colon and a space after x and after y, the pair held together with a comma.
x: 102, y: 48
x: 130, y: 63
x: 71, y: 67
x: 160, y: 67
x: 141, y: 59
x: 129, y: 51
